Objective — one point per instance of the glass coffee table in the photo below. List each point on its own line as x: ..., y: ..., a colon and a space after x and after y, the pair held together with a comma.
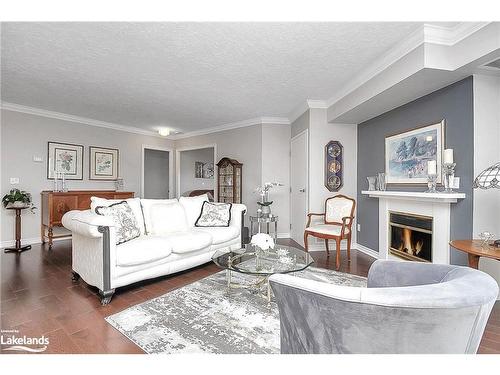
x: 262, y: 264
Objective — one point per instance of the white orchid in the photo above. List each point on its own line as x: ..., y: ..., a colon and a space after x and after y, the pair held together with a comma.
x: 263, y: 241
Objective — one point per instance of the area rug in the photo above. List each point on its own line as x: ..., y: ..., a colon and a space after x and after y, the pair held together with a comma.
x: 208, y: 317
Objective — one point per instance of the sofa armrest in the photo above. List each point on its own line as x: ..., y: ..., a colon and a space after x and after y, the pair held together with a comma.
x: 237, y: 213
x: 86, y: 223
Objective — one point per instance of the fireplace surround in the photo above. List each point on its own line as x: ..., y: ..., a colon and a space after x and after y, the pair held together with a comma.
x: 435, y: 206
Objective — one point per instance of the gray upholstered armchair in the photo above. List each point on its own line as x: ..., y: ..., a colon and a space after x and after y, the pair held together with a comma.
x: 408, y: 307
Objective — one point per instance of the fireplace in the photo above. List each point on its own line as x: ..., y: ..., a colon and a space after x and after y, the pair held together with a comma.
x: 410, y: 236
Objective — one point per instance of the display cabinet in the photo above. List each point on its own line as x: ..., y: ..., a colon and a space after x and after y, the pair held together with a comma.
x: 229, y: 181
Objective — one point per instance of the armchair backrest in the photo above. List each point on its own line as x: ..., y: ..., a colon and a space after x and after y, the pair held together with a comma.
x: 338, y: 207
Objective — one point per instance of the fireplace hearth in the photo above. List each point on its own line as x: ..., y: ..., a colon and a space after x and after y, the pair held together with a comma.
x: 410, y: 236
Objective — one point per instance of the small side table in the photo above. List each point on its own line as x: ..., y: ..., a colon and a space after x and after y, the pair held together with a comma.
x: 475, y: 249
x: 18, y: 248
x: 267, y: 220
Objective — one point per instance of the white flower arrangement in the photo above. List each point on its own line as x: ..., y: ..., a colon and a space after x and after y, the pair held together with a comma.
x: 263, y: 189
x: 263, y: 240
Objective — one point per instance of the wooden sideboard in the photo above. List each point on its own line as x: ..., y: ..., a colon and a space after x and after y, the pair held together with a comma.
x: 56, y: 204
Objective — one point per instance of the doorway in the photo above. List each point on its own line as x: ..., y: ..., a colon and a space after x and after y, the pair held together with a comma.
x: 195, y: 172
x: 157, y: 171
x: 299, y: 177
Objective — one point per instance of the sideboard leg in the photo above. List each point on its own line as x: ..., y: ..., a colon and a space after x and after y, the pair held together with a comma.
x: 50, y: 234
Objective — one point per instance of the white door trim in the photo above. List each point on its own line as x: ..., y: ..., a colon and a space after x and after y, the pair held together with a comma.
x: 170, y: 167
x: 306, y: 132
x: 178, y: 166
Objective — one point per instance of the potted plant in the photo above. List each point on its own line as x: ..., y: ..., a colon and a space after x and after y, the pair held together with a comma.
x: 18, y: 199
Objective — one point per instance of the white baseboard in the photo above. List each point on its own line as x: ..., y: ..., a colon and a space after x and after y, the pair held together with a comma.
x: 367, y: 251
x: 28, y: 241
x: 283, y: 235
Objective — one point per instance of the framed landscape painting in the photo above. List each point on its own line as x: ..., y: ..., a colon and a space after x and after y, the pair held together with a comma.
x: 103, y: 163
x: 65, y: 158
x: 407, y: 154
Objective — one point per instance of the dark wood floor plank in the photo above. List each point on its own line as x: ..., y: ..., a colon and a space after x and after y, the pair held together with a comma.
x: 38, y: 297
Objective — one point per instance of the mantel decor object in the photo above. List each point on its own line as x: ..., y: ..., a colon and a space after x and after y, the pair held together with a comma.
x: 489, y: 179
x: 334, y: 165
x: 431, y: 176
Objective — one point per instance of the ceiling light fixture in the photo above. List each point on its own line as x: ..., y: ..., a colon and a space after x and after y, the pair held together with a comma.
x: 164, y: 132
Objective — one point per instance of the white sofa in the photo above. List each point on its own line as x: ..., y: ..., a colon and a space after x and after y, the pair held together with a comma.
x: 169, y: 241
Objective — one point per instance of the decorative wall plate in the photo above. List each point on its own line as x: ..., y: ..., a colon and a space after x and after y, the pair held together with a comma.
x: 334, y: 168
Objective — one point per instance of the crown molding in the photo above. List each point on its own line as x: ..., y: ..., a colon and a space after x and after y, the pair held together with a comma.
x: 395, y: 53
x: 449, y: 36
x: 304, y: 106
x: 426, y: 33
x: 234, y: 125
x: 76, y: 119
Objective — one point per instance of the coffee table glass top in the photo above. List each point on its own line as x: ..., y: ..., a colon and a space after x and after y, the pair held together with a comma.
x: 281, y: 259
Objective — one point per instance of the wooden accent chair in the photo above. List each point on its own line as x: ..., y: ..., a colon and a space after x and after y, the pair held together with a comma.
x: 336, y: 225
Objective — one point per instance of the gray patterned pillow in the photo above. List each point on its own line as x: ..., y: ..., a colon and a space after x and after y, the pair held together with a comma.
x: 214, y: 215
x: 126, y: 226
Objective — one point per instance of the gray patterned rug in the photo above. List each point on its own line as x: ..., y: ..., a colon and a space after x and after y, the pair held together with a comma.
x: 207, y: 317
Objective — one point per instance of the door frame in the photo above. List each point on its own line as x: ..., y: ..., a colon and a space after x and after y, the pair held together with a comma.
x: 170, y: 166
x: 178, y: 167
x: 306, y: 133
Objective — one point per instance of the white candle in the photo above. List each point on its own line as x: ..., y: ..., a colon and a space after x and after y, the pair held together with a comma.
x: 448, y: 156
x: 431, y: 167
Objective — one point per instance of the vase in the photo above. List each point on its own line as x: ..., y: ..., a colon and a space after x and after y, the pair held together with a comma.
x: 371, y: 182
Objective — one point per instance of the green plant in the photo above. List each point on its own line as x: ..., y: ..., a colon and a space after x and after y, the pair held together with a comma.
x: 16, y: 195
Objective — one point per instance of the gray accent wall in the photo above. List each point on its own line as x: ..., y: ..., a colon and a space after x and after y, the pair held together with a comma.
x: 454, y: 104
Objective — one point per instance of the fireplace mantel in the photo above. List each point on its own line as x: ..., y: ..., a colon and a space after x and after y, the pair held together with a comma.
x: 415, y: 196
x: 435, y: 205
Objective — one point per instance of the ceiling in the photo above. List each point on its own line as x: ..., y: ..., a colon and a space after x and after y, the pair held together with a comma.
x: 186, y: 76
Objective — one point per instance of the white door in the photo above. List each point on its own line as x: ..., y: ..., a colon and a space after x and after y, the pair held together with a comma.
x: 299, y: 194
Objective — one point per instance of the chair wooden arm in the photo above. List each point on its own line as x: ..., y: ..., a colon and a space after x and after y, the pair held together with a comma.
x: 344, y: 225
x: 309, y: 217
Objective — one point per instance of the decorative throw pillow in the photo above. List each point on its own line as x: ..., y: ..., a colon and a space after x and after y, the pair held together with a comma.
x: 126, y: 226
x: 214, y: 215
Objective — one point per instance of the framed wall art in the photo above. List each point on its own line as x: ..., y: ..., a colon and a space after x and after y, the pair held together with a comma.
x: 407, y: 154
x: 203, y: 170
x: 103, y: 163
x: 65, y: 158
x: 334, y: 165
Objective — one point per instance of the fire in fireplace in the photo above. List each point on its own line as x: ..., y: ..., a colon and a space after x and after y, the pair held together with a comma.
x: 410, y: 236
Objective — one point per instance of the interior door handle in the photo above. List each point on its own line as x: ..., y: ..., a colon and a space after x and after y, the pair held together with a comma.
x: 302, y: 190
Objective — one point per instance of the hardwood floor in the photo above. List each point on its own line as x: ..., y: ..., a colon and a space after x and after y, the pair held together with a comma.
x: 39, y: 298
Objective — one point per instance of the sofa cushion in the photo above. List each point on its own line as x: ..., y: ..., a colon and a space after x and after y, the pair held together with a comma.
x: 221, y: 235
x: 167, y: 218
x: 192, y: 207
x: 146, y: 205
x: 214, y: 215
x: 141, y: 250
x: 185, y: 242
x: 126, y: 227
x: 134, y: 203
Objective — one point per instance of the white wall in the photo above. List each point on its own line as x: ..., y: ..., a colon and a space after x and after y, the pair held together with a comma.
x: 320, y: 133
x: 24, y: 136
x: 156, y: 174
x: 188, y: 181
x: 276, y: 168
x: 486, y: 153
